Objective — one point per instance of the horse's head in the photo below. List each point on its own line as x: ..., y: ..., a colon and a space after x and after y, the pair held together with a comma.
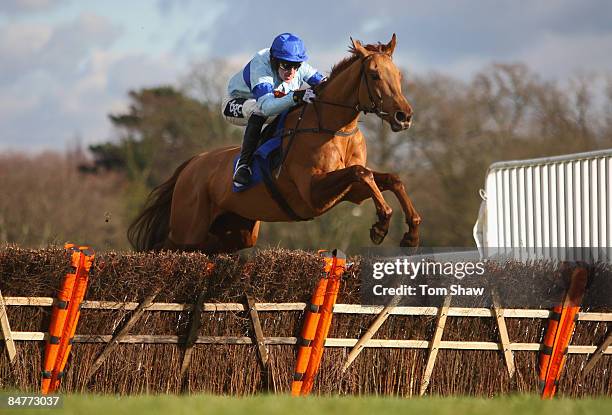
x: 380, y: 89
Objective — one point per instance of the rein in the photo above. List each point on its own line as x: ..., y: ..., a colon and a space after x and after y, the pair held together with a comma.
x: 373, y: 108
x: 291, y: 133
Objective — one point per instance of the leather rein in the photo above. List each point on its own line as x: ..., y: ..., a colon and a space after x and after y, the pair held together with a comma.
x: 373, y: 108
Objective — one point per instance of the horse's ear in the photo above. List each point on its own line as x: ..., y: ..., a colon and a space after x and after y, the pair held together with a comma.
x: 390, y: 47
x: 358, y: 47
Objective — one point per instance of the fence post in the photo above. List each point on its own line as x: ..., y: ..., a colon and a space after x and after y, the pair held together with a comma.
x: 194, y: 328
x: 116, y: 339
x: 376, y: 324
x: 434, y: 345
x: 503, y: 335
x: 6, y: 331
x: 598, y: 354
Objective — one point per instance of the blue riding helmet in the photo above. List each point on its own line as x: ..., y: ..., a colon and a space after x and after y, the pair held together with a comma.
x: 288, y: 47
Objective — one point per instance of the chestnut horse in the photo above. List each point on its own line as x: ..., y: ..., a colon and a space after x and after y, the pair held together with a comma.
x: 324, y: 165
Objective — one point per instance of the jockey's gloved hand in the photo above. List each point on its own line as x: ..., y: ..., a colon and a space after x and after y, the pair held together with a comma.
x: 305, y: 95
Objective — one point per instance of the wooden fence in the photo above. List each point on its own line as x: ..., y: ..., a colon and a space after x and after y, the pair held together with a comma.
x: 505, y: 345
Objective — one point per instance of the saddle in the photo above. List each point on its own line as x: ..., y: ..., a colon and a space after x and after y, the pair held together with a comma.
x: 268, y: 155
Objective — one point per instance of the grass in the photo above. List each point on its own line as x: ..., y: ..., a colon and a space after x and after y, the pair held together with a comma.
x: 282, y: 404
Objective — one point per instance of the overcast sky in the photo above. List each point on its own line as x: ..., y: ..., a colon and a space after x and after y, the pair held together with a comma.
x: 66, y: 64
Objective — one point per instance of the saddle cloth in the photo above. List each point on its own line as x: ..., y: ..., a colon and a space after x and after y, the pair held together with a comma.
x: 268, y: 155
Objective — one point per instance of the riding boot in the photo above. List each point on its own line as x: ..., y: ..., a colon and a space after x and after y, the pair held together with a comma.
x: 242, y: 175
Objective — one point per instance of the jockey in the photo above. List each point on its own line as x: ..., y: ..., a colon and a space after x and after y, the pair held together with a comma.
x: 268, y: 85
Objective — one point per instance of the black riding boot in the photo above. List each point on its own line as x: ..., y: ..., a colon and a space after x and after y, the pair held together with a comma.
x: 242, y: 175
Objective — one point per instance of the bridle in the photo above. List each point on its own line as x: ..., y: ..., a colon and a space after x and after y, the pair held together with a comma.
x: 373, y: 108
x: 291, y: 133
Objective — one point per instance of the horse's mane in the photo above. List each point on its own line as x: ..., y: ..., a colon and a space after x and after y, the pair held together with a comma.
x: 346, y: 62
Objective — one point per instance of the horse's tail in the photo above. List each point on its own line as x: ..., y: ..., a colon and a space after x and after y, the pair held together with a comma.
x: 150, y: 229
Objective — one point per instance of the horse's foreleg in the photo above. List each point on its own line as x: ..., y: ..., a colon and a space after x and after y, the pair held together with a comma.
x: 330, y: 188
x: 392, y: 182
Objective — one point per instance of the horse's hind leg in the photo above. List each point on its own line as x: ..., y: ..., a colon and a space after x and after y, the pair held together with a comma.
x: 191, y: 216
x: 210, y: 246
x: 329, y: 189
x: 228, y: 233
x: 234, y: 232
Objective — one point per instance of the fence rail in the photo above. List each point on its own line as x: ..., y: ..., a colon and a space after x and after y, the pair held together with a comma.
x: 338, y: 308
x: 330, y: 342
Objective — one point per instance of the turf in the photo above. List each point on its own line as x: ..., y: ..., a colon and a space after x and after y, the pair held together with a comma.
x: 275, y: 404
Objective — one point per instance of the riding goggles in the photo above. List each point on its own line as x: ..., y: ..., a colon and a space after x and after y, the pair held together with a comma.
x: 287, y: 66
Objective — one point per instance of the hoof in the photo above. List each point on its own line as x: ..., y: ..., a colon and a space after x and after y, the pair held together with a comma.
x: 409, y: 240
x: 377, y: 235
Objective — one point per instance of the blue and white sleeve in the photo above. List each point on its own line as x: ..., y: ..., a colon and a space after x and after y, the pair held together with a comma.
x: 263, y: 91
x: 269, y: 105
x: 310, y: 75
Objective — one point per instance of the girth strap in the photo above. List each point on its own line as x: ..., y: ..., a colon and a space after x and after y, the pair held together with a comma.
x: 320, y: 130
x: 279, y: 198
x: 291, y: 133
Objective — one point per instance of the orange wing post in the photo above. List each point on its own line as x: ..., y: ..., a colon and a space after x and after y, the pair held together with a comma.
x: 64, y: 317
x: 58, y: 319
x: 311, y: 321
x: 335, y: 264
x: 559, y: 334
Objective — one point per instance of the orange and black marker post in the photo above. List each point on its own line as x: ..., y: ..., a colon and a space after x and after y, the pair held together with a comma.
x: 317, y: 323
x: 58, y: 319
x: 559, y: 334
x: 311, y: 321
x: 64, y: 317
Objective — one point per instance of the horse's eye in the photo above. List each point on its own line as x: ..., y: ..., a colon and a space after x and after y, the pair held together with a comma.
x: 375, y: 76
